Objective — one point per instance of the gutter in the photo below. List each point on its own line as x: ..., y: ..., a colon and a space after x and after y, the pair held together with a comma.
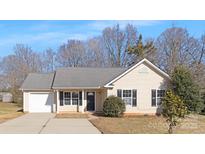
x: 76, y: 87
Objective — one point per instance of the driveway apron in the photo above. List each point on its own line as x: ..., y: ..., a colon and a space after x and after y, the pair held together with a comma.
x: 46, y: 123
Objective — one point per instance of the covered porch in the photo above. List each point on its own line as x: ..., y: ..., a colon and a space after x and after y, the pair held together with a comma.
x: 80, y: 100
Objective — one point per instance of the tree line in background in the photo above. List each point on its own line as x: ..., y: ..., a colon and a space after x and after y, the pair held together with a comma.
x: 115, y: 47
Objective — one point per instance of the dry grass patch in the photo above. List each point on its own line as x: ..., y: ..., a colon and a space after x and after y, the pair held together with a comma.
x: 72, y: 115
x: 148, y: 125
x: 9, y: 111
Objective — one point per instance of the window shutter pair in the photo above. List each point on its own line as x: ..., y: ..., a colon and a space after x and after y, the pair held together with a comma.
x: 61, y: 98
x: 134, y: 96
x: 157, y: 96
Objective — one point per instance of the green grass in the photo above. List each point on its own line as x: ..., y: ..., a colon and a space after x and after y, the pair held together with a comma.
x: 148, y: 125
x: 9, y: 111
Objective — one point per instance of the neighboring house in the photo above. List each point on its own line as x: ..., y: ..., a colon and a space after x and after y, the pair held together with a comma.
x: 6, y: 97
x: 84, y: 89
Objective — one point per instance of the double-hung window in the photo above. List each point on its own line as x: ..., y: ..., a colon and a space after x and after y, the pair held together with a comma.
x: 67, y: 98
x: 74, y: 98
x: 157, y: 96
x: 128, y: 96
x: 160, y: 96
x: 70, y: 98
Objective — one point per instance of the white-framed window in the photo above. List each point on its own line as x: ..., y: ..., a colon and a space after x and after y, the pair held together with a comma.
x: 157, y: 96
x: 128, y: 96
x: 75, y: 98
x: 70, y: 98
x: 67, y: 98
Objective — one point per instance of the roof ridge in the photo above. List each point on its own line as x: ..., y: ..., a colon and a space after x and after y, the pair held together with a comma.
x: 65, y: 68
x: 42, y: 73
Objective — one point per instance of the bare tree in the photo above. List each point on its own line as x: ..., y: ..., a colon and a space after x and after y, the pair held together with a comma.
x: 174, y: 46
x: 71, y: 54
x: 48, y: 60
x: 95, y: 53
x: 3, y: 84
x: 201, y: 57
x: 198, y: 62
x: 16, y: 67
x: 117, y: 41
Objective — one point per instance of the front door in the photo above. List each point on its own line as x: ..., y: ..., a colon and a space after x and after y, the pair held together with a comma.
x: 90, y: 101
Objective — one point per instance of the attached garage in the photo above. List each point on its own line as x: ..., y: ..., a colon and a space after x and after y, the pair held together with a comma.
x: 40, y: 102
x: 38, y: 95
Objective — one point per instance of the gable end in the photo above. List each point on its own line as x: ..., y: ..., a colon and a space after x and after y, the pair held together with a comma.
x: 109, y: 84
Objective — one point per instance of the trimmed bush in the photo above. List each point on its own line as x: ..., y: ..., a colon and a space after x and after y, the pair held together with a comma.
x: 113, y: 106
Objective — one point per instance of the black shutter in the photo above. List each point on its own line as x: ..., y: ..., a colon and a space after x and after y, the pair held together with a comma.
x: 61, y: 98
x: 119, y: 93
x: 134, y: 97
x: 80, y: 98
x: 153, y: 97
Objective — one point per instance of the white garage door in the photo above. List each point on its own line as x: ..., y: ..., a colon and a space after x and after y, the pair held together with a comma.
x: 41, y: 102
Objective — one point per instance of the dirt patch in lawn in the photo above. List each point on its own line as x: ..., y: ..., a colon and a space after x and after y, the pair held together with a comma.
x: 72, y: 115
x: 9, y: 111
x: 148, y: 125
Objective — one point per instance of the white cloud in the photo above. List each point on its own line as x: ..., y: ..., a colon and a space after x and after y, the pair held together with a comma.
x: 38, y: 42
x: 101, y: 24
x: 50, y: 34
x: 41, y: 37
x: 89, y: 30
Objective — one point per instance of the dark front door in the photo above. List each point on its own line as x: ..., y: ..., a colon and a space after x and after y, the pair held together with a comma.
x: 90, y: 101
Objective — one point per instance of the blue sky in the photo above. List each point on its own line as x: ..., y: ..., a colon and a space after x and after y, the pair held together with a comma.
x: 43, y: 34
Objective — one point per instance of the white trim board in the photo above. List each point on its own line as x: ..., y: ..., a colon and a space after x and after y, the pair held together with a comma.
x: 74, y: 88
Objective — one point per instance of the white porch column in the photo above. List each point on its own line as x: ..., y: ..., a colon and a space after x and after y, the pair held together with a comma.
x: 83, y: 100
x: 24, y: 101
x: 58, y: 102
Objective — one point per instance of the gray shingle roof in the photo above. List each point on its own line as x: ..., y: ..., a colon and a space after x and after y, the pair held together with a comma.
x: 38, y: 81
x: 71, y: 78
x: 78, y: 77
x: 85, y: 77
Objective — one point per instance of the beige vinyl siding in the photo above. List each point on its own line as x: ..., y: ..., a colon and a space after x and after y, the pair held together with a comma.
x: 143, y: 78
x: 101, y: 96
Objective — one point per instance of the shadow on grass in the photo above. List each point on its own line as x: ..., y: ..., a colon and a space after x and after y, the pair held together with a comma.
x: 202, y: 113
x: 20, y: 110
x: 101, y: 114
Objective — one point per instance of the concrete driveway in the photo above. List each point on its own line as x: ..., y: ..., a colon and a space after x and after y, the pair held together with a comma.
x: 46, y: 123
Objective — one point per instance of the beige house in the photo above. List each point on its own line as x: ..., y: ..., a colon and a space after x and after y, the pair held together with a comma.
x: 141, y: 86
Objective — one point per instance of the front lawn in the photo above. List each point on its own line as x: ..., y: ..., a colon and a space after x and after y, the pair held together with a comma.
x: 9, y: 111
x: 148, y: 125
